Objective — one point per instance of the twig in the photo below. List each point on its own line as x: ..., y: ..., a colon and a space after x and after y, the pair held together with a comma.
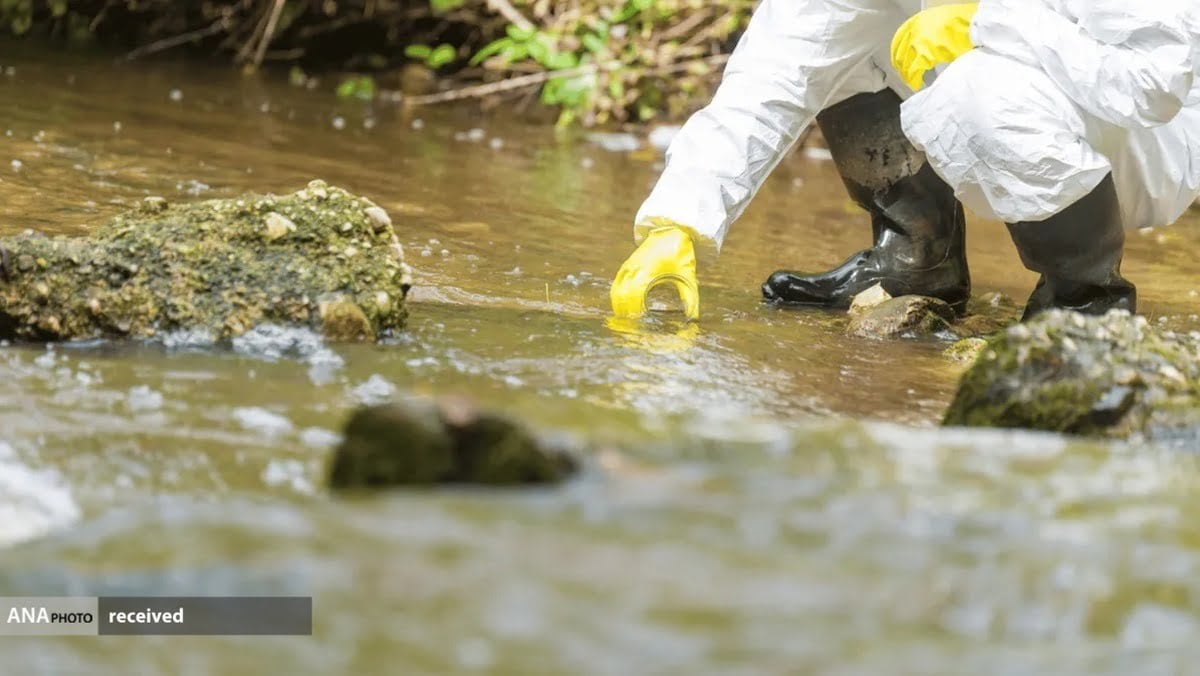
x: 686, y: 26
x: 269, y: 33
x: 521, y: 81
x: 244, y: 53
x: 168, y: 43
x: 506, y: 10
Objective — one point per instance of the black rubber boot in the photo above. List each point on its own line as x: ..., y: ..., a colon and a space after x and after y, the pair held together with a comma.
x: 919, y: 228
x: 1078, y: 253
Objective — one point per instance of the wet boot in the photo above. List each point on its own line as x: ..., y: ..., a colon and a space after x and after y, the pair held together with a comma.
x: 918, y: 225
x: 1078, y: 253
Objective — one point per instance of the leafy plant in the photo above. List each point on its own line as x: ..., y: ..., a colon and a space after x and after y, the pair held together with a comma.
x: 361, y: 87
x: 620, y: 59
x: 434, y: 57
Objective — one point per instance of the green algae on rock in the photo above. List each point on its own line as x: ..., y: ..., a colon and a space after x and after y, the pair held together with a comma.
x: 316, y: 258
x: 966, y: 350
x: 447, y: 441
x: 1113, y: 376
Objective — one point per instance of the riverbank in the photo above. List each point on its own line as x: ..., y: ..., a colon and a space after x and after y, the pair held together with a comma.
x: 594, y: 62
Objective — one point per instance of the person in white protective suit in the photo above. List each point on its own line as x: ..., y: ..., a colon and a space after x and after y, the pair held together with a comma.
x: 1070, y: 120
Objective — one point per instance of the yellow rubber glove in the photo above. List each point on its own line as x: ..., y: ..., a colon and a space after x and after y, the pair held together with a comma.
x: 666, y: 255
x: 930, y: 38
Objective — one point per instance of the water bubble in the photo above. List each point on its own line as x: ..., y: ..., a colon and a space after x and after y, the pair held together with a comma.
x: 258, y: 419
x: 496, y: 143
x: 339, y: 123
x: 615, y: 142
x: 176, y: 95
x: 17, y: 165
x: 375, y: 390
x: 141, y: 398
x: 117, y: 127
x: 46, y: 359
x: 418, y: 124
x: 821, y: 154
x: 287, y: 472
x: 318, y: 438
x: 475, y: 653
x: 32, y: 502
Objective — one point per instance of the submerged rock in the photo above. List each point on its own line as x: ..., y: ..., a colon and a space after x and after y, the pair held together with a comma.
x: 448, y: 441
x: 1112, y: 376
x: 874, y: 313
x: 966, y: 350
x: 905, y: 315
x: 318, y: 257
x: 987, y: 313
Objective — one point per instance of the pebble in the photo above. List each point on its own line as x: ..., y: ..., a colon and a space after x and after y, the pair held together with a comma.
x: 278, y: 226
x: 380, y: 220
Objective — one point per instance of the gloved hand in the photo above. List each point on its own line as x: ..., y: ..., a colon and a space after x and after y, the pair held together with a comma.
x: 665, y: 255
x: 930, y: 38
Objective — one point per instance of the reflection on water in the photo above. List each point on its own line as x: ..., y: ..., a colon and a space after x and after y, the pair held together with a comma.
x: 767, y: 495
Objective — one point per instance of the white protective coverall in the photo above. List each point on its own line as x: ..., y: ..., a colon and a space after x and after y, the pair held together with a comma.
x: 1057, y: 94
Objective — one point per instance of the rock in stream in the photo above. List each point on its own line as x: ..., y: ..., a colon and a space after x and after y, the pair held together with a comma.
x: 320, y: 257
x: 447, y: 441
x: 1113, y: 376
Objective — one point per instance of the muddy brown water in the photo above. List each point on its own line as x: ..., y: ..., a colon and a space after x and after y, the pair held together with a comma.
x: 768, y: 496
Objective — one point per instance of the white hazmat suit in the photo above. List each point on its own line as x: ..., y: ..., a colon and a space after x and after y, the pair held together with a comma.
x: 1057, y: 95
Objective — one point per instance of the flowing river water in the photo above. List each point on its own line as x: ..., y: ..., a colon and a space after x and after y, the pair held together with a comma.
x: 766, y: 495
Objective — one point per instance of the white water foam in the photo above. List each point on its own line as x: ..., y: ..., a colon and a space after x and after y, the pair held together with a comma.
x: 32, y: 502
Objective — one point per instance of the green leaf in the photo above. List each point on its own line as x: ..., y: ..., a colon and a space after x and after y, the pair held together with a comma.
x: 361, y: 87
x: 593, y: 43
x: 446, y: 5
x: 561, y: 60
x: 519, y: 34
x: 419, y: 52
x: 494, y: 47
x: 443, y: 55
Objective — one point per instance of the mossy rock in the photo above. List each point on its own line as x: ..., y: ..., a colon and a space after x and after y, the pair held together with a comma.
x: 449, y: 441
x: 1113, y: 376
x: 320, y: 257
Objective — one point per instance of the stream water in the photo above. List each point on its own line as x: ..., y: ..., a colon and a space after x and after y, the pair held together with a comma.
x: 766, y: 495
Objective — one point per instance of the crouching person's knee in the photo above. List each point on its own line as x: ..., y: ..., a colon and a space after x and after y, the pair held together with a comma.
x: 1006, y: 137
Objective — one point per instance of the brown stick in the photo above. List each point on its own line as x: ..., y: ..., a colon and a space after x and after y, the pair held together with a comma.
x: 269, y: 32
x: 477, y: 91
x: 506, y: 10
x: 168, y: 43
